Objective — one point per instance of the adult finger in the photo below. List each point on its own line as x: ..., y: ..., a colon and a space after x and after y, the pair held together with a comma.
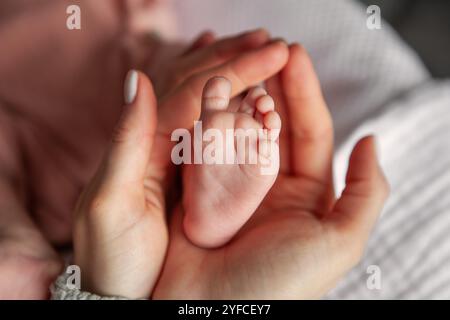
x: 244, y: 71
x: 220, y: 52
x: 273, y: 86
x: 204, y: 39
x: 310, y: 121
x: 128, y: 154
x: 362, y: 200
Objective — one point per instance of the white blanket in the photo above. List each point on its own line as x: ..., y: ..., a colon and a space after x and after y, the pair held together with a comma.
x: 411, y: 243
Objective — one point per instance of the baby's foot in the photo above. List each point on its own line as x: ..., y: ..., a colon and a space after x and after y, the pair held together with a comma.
x: 219, y: 198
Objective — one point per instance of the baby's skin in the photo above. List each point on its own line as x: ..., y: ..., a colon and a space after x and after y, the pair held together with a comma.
x: 220, y: 197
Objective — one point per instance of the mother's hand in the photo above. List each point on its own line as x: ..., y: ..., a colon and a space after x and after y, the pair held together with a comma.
x: 301, y: 240
x: 120, y: 231
x: 120, y: 234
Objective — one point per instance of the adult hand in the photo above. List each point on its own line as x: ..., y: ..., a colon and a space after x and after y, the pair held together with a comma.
x: 301, y: 240
x: 120, y: 233
x: 180, y: 106
x: 58, y: 149
x: 205, y: 52
x: 62, y: 135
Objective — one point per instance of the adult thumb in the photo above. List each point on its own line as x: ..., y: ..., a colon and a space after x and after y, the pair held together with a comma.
x: 128, y: 155
x: 365, y: 193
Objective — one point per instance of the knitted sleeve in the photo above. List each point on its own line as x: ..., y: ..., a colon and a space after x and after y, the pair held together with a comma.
x: 62, y: 290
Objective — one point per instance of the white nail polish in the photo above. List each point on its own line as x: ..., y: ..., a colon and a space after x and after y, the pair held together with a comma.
x: 131, y: 86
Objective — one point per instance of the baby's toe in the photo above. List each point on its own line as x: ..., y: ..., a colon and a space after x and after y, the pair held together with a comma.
x: 272, y: 122
x: 216, y: 94
x: 265, y: 104
x: 248, y: 104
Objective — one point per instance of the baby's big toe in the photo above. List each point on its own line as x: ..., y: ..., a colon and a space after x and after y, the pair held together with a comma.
x: 216, y: 94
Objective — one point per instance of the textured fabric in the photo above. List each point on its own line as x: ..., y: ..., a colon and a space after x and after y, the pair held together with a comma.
x: 411, y: 243
x: 373, y: 83
x: 371, y: 80
x: 61, y: 291
x: 360, y: 70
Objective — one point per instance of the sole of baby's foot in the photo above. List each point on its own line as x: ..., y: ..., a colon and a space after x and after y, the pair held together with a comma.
x: 220, y: 196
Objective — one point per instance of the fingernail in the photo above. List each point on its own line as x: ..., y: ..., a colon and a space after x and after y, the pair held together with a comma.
x: 131, y: 86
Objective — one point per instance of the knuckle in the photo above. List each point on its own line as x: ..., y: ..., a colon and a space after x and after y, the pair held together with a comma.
x: 120, y: 132
x: 94, y: 200
x: 95, y: 206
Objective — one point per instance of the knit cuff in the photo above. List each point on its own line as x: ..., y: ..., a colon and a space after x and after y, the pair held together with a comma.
x: 61, y: 290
